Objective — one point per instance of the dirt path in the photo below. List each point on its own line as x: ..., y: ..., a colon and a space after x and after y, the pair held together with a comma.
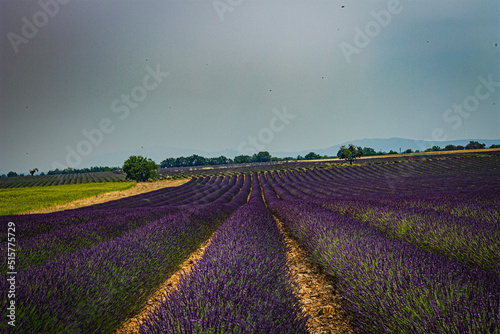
x: 132, y: 325
x: 316, y: 292
x: 138, y: 188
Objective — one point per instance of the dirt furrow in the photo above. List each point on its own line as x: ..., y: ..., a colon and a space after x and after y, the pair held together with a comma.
x: 132, y: 325
x: 316, y: 292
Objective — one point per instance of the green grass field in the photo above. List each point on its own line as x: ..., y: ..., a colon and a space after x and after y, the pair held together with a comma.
x: 19, y: 200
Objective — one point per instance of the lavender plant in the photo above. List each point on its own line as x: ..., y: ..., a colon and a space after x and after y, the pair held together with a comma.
x: 241, y: 285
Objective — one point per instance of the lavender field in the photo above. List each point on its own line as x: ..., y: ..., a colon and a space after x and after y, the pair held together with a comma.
x: 412, y: 247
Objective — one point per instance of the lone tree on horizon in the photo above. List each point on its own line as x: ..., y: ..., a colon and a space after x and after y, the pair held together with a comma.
x: 33, y: 171
x: 139, y: 168
x: 350, y: 153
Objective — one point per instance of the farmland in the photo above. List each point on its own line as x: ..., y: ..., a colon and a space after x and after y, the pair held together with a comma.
x: 54, y: 180
x: 410, y: 246
x: 17, y: 200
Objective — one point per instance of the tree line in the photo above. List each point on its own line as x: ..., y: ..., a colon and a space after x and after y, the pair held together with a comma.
x: 349, y: 153
x: 198, y: 160
x: 70, y: 170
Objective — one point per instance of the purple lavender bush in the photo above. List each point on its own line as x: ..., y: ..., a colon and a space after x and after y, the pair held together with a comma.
x: 92, y: 290
x: 391, y: 286
x: 240, y: 285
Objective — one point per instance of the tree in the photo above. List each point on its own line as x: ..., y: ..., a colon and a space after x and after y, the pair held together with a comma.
x: 368, y: 151
x: 349, y: 153
x: 11, y: 174
x: 169, y: 162
x: 33, y: 171
x: 262, y: 156
x: 474, y: 145
x: 312, y: 156
x: 222, y: 160
x: 140, y: 168
x: 450, y: 148
x: 242, y: 159
x: 436, y: 148
x: 495, y: 146
x: 181, y: 162
x: 196, y: 160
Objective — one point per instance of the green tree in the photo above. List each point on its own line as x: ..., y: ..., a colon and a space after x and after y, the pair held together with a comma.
x: 140, y: 168
x: 242, y: 159
x: 368, y: 151
x: 349, y: 153
x: 196, y: 160
x: 11, y: 174
x: 262, y: 156
x: 168, y: 162
x: 222, y: 160
x: 474, y: 145
x: 312, y: 156
x: 450, y: 148
x: 495, y: 146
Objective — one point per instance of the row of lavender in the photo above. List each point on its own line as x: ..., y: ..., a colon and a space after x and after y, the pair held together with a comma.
x: 46, y: 237
x: 37, y: 224
x: 398, y: 253
x: 474, y: 239
x: 92, y: 290
x: 389, y: 285
x: 464, y: 225
x: 241, y: 285
x: 87, y: 270
x: 197, y: 191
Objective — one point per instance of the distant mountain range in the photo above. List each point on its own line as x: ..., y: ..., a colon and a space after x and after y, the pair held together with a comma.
x: 158, y: 154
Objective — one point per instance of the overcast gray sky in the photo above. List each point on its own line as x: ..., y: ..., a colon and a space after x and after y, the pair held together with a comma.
x: 82, y: 81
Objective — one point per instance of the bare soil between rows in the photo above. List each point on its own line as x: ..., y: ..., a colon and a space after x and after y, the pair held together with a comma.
x: 132, y: 325
x: 316, y: 291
